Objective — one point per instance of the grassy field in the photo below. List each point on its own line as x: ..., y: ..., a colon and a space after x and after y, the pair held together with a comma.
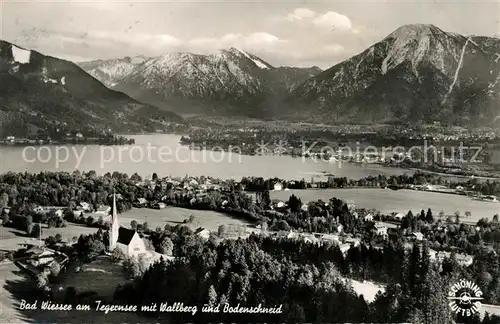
x: 12, y: 239
x: 15, y: 287
x: 368, y: 289
x: 173, y: 216
x: 387, y: 201
x: 101, y: 276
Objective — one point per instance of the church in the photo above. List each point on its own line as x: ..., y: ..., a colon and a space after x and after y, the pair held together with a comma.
x: 125, y: 239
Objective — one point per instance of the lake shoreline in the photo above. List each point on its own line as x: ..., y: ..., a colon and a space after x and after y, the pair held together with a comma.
x: 250, y: 152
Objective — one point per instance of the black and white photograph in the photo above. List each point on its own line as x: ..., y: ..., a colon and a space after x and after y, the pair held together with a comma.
x: 250, y: 161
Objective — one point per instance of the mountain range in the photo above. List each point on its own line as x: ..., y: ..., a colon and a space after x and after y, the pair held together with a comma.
x: 230, y: 81
x: 417, y: 73
x: 43, y: 90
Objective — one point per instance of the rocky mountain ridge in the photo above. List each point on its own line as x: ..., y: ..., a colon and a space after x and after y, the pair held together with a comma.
x: 45, y: 90
x: 417, y: 73
x: 230, y: 81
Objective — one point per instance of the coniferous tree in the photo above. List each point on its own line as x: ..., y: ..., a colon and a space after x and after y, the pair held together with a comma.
x: 422, y: 215
x: 429, y: 217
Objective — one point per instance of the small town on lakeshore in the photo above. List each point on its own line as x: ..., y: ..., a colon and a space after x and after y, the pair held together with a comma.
x: 56, y: 245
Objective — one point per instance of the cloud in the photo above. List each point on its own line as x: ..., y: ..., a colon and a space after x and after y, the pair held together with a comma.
x: 299, y: 14
x: 262, y: 38
x: 333, y: 20
x: 253, y: 40
x: 101, y: 5
x: 73, y: 58
x: 333, y: 49
x: 77, y: 46
x: 156, y: 40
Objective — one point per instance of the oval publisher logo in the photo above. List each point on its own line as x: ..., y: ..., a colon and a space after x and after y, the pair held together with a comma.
x: 465, y: 298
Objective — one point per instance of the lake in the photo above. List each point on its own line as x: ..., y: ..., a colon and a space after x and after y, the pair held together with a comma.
x: 164, y: 155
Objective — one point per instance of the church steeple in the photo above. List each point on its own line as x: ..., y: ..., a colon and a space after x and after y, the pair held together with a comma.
x: 113, y: 233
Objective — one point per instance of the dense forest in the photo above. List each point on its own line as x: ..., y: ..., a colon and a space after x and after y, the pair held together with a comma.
x: 307, y: 280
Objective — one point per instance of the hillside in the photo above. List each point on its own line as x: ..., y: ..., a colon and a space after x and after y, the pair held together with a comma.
x: 110, y: 72
x: 417, y: 73
x: 44, y: 90
x: 227, y: 82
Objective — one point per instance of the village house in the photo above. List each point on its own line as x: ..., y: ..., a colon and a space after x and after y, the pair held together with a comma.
x: 465, y: 259
x: 78, y: 213
x: 294, y: 235
x: 351, y: 206
x: 45, y: 210
x: 140, y: 202
x: 380, y: 229
x: 278, y: 186
x: 308, y: 239
x: 368, y: 217
x: 399, y: 216
x: 344, y: 248
x: 45, y: 258
x: 462, y: 259
x: 102, y: 211
x: 37, y: 258
x: 203, y: 233
x: 286, y: 234
x: 417, y: 236
x: 352, y: 240
x: 277, y: 204
x: 160, y: 205
x: 85, y: 206
x: 330, y: 238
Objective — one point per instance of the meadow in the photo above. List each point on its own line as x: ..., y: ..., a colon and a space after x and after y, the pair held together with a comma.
x: 14, y: 287
x: 12, y: 239
x: 400, y: 201
x: 208, y: 219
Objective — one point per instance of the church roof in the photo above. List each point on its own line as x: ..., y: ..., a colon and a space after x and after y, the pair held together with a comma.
x: 125, y: 235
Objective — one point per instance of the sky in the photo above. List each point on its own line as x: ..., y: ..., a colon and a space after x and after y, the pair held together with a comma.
x: 293, y: 33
